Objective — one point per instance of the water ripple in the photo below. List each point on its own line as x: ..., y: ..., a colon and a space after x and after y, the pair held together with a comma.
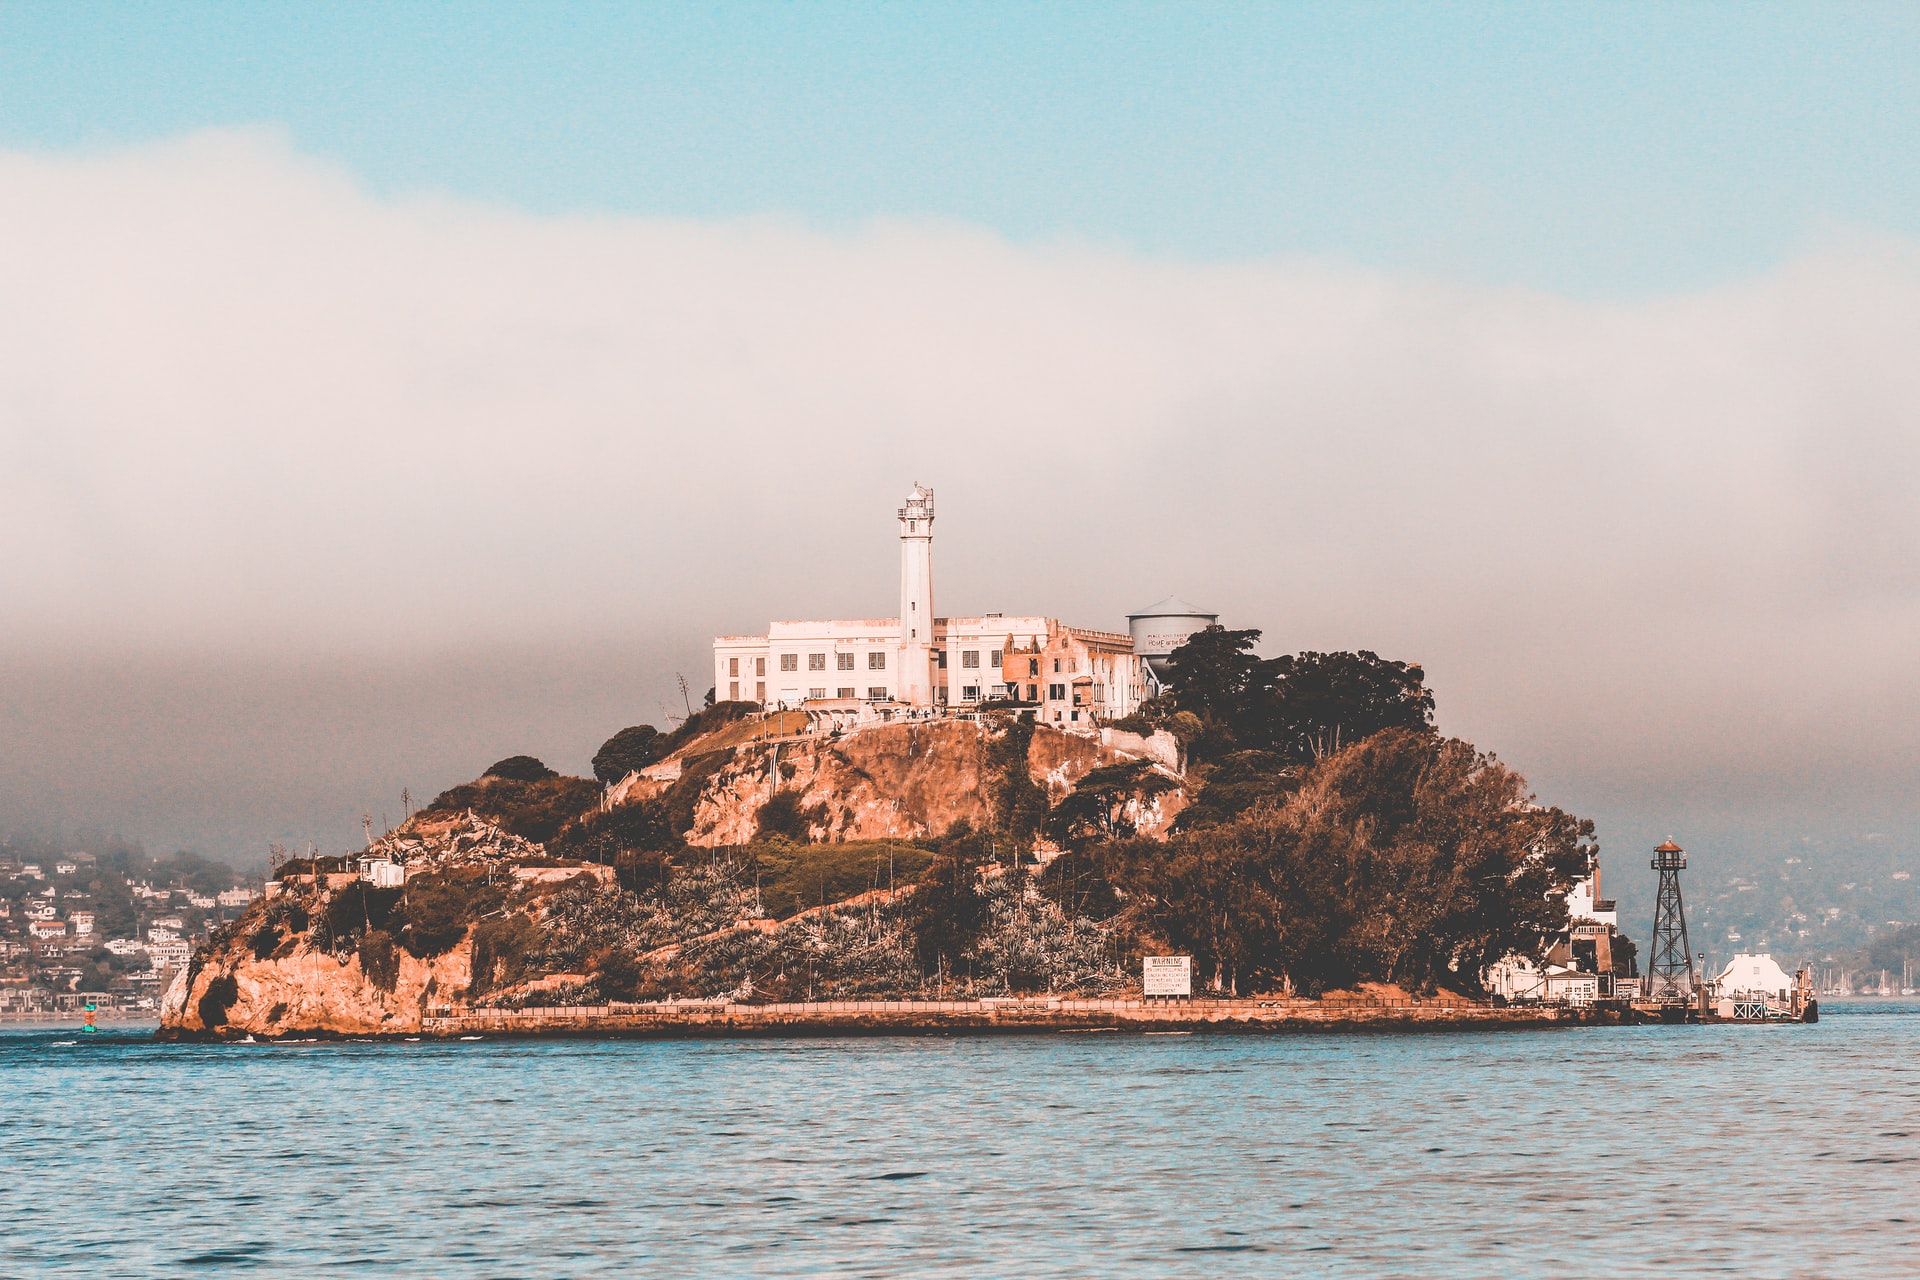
x: 1645, y: 1151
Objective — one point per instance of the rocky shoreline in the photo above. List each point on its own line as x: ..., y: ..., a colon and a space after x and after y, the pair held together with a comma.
x: 698, y: 1019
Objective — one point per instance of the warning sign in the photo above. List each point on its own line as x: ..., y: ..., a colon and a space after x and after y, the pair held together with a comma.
x: 1167, y: 975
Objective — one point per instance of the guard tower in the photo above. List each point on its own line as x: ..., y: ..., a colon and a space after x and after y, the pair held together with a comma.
x: 1670, y: 976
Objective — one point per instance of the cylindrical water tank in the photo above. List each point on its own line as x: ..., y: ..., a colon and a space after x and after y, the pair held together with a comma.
x: 1161, y: 628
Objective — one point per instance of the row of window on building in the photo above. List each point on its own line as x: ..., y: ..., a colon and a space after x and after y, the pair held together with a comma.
x: 876, y: 661
x: 875, y: 693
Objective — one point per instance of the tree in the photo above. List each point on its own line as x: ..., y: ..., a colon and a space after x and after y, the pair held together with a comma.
x: 1237, y: 784
x: 1299, y: 706
x: 605, y: 836
x: 519, y: 769
x: 632, y: 748
x: 946, y: 913
x: 1315, y: 703
x: 1215, y: 675
x: 1098, y: 807
x: 1403, y: 858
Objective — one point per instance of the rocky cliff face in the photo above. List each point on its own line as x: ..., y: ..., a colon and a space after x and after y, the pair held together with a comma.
x: 454, y: 909
x: 889, y: 782
x: 233, y: 994
x: 903, y: 781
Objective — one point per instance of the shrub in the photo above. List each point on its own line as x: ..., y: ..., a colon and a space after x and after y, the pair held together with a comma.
x: 617, y: 973
x: 783, y: 816
x: 946, y: 913
x: 629, y: 828
x: 438, y: 909
x: 500, y: 950
x: 379, y: 960
x: 1018, y: 803
x: 684, y: 796
x: 520, y: 769
x: 793, y: 877
x: 358, y: 908
x: 630, y: 749
x: 533, y: 810
x: 706, y: 720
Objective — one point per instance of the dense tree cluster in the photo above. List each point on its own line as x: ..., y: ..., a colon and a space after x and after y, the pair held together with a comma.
x: 1404, y: 858
x: 1297, y: 706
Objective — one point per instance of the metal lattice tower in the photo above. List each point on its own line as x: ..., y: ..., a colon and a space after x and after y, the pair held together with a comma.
x: 1670, y: 975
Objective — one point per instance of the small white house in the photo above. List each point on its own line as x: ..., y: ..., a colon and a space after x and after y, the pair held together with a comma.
x: 383, y: 874
x: 1757, y: 977
x: 82, y: 922
x: 65, y: 868
x: 1516, y: 978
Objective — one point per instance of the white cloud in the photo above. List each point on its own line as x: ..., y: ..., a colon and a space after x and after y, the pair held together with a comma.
x: 245, y: 404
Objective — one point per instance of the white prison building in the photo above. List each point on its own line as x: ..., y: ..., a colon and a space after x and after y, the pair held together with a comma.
x: 920, y: 662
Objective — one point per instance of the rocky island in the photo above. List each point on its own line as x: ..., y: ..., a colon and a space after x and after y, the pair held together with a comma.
x: 1295, y: 825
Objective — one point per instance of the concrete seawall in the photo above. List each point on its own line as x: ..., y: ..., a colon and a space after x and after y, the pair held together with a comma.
x: 690, y: 1019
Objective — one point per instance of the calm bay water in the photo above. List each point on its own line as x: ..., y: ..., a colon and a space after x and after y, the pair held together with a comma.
x: 1694, y: 1150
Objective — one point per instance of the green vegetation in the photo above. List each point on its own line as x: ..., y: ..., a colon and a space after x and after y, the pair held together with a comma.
x: 630, y: 749
x: 519, y: 769
x: 1101, y: 804
x: 1404, y: 859
x: 783, y: 817
x: 1297, y: 706
x: 533, y: 809
x: 792, y: 877
x: 438, y: 908
x: 684, y: 796
x: 1016, y: 803
x: 500, y: 951
x: 216, y: 1000
x: 714, y: 715
x: 380, y: 960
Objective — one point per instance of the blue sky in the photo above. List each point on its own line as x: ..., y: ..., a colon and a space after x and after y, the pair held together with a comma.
x: 1590, y: 150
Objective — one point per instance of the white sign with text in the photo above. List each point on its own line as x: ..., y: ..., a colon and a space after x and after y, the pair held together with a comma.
x: 1167, y: 975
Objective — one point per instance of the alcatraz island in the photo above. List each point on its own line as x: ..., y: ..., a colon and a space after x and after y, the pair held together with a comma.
x: 926, y: 823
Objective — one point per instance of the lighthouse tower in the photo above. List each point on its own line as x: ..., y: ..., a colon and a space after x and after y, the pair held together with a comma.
x: 915, y: 683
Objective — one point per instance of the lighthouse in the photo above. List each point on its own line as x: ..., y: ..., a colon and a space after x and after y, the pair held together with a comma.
x: 916, y: 598
x: 849, y: 672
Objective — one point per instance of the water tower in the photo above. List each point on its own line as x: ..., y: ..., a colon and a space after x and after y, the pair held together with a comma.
x: 1670, y: 976
x: 1161, y: 628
